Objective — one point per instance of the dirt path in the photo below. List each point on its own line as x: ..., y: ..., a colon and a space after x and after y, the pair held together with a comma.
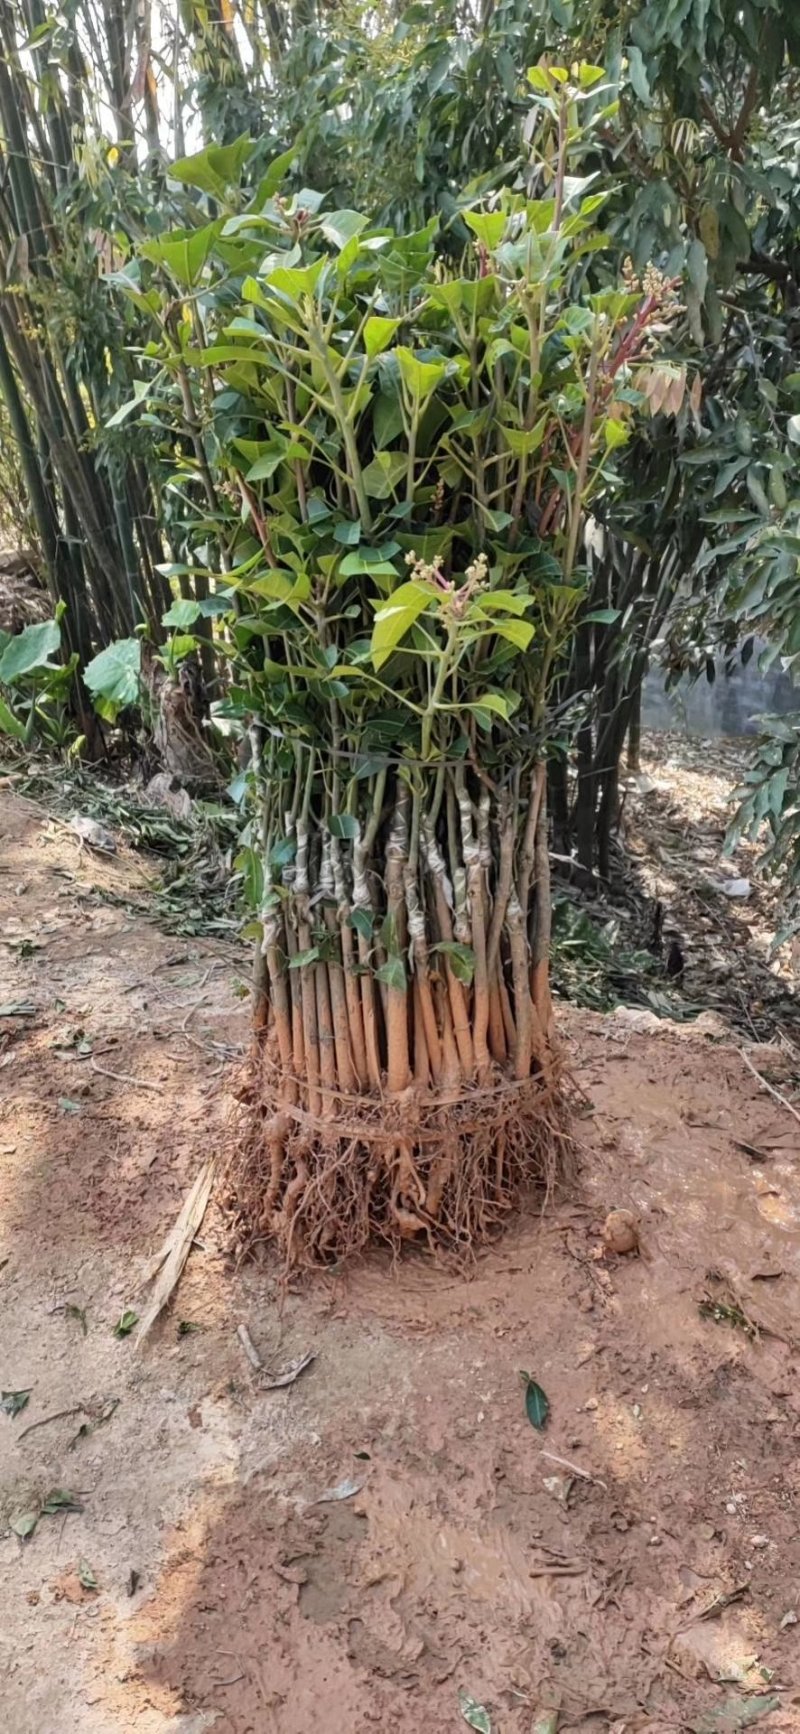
x: 467, y: 1560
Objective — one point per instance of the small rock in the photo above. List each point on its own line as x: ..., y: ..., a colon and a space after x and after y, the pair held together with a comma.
x: 789, y: 1619
x: 759, y: 1541
x: 655, y: 1541
x: 734, y: 887
x: 706, y: 1531
x: 731, y: 1508
x: 621, y: 1232
x: 591, y: 1403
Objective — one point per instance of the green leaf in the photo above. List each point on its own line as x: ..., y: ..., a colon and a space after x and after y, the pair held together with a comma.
x: 362, y: 921
x: 184, y: 612
x: 182, y: 252
x: 474, y: 1714
x: 301, y: 958
x: 537, y: 1407
x: 697, y: 266
x: 13, y: 1402
x: 523, y: 441
x: 378, y: 333
x: 339, y: 227
x: 25, y: 1525
x: 60, y: 1499
x: 397, y: 616
x: 489, y: 226
x: 419, y: 377
x: 86, y: 1576
x: 493, y: 702
x: 734, y: 1714
x: 792, y: 429
x: 113, y: 675
x: 67, y: 1106
x: 519, y: 632
x: 393, y: 974
x: 126, y: 1322
x: 31, y: 649
x: 383, y: 475
x: 9, y: 724
x: 461, y: 959
x: 601, y: 617
x: 215, y: 169
x: 343, y: 825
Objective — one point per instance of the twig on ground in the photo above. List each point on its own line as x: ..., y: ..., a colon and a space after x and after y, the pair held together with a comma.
x: 574, y: 1469
x: 249, y: 1347
x: 124, y: 1077
x: 770, y: 1088
x: 60, y: 1415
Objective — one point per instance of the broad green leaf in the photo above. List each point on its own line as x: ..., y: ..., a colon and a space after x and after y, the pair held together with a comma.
x: 537, y: 1406
x: 378, y: 333
x: 393, y: 974
x: 343, y: 825
x: 182, y: 252
x: 489, y: 226
x: 519, y: 632
x: 13, y: 1402
x: 113, y: 675
x: 523, y: 441
x: 461, y: 959
x: 275, y: 174
x: 383, y: 476
x: 339, y: 227
x: 296, y: 281
x: 475, y: 1715
x: 10, y: 724
x: 25, y: 1525
x: 419, y: 377
x: 125, y: 1323
x: 183, y: 612
x: 29, y: 650
x: 494, y: 702
x: 301, y: 958
x: 215, y: 169
x: 397, y: 616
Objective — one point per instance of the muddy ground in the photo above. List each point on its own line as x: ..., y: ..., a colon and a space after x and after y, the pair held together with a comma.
x: 585, y: 1569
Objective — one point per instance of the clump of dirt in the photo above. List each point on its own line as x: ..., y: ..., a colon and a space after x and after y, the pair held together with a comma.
x: 390, y: 1531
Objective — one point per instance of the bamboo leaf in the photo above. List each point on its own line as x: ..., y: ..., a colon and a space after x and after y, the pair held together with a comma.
x: 393, y: 974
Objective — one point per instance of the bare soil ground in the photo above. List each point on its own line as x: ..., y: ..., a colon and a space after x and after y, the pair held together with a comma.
x: 229, y: 1597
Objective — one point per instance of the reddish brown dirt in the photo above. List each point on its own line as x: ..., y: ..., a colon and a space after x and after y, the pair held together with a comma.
x: 467, y: 1560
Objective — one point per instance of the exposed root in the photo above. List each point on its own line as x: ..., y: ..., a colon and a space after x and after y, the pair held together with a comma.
x: 414, y: 1169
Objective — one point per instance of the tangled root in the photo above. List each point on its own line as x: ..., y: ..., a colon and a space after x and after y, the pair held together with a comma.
x: 415, y: 1169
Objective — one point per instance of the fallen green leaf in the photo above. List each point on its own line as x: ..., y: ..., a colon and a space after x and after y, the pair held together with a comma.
x: 67, y: 1106
x: 12, y: 1402
x: 59, y: 1499
x: 187, y: 1326
x: 125, y: 1323
x: 476, y: 1715
x: 17, y: 1008
x: 537, y: 1406
x: 25, y: 1525
x: 73, y: 1312
x: 86, y: 1575
x: 734, y: 1714
x: 547, y: 1723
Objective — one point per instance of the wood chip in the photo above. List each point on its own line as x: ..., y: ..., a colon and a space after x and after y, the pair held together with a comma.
x: 166, y: 1267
